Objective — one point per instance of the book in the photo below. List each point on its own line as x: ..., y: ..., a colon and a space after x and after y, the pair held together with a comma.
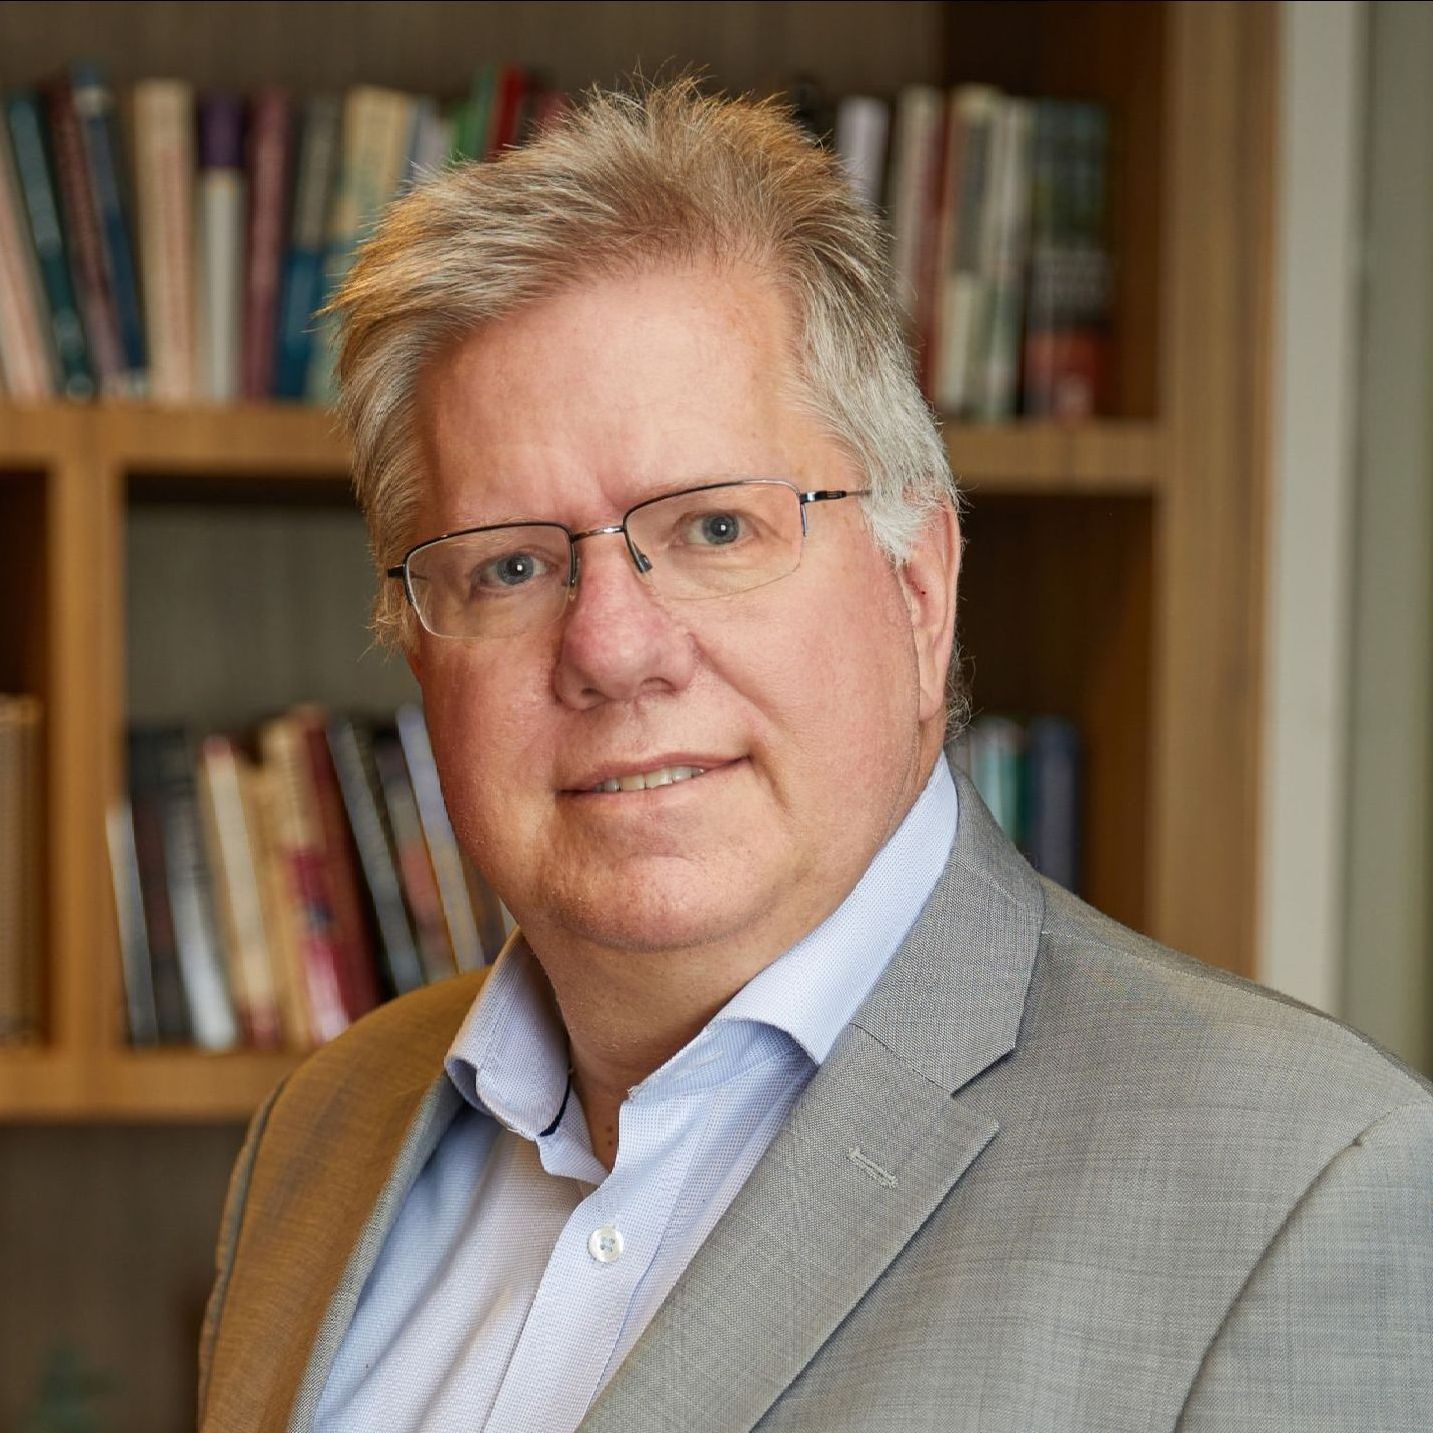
x: 297, y: 842
x: 220, y: 199
x: 270, y: 123
x: 342, y: 872
x: 442, y: 845
x: 146, y: 801
x: 351, y: 748
x: 27, y: 138
x: 962, y: 285
x: 415, y: 865
x: 21, y: 864
x: 303, y: 286
x: 1067, y: 324
x: 90, y: 279
x: 915, y: 164
x: 374, y: 150
x: 136, y: 959
x: 191, y: 896
x: 1007, y: 254
x: 25, y: 355
x: 231, y: 844
x: 93, y: 102
x: 862, y: 131
x: 1050, y: 826
x: 164, y: 171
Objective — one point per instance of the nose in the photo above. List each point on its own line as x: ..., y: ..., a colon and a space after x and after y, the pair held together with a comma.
x: 619, y: 641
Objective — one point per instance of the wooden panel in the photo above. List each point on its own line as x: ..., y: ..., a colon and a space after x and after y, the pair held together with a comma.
x: 1055, y: 618
x: 108, y: 1249
x: 1210, y: 539
x: 1055, y: 458
x: 433, y: 47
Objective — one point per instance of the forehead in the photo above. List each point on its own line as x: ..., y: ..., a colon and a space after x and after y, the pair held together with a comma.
x: 610, y: 390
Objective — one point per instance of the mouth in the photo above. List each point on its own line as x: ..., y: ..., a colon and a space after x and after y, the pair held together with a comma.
x: 667, y: 772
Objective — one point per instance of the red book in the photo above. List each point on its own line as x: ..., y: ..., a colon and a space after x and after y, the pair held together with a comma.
x: 93, y: 291
x: 270, y: 128
x: 357, y: 970
x: 506, y: 127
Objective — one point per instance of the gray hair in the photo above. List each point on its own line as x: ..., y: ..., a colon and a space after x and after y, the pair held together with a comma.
x: 620, y: 182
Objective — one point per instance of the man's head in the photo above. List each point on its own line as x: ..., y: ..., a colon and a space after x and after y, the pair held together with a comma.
x: 662, y: 292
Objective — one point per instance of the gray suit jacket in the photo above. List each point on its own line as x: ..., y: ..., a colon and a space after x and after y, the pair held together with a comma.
x: 1052, y: 1176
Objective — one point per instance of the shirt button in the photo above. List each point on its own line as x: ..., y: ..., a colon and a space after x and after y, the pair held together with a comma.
x: 605, y: 1244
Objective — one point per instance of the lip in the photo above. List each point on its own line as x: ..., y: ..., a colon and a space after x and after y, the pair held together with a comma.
x: 595, y: 776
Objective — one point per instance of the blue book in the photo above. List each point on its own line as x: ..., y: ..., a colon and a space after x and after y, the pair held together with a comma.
x: 27, y: 138
x: 1052, y: 795
x: 94, y: 103
x: 303, y: 283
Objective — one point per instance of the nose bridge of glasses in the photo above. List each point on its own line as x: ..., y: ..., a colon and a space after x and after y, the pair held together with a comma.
x: 639, y: 558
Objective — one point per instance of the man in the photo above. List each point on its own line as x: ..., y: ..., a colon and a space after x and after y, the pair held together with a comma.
x: 800, y: 1101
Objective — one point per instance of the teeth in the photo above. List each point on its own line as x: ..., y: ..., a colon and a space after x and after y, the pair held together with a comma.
x: 646, y: 780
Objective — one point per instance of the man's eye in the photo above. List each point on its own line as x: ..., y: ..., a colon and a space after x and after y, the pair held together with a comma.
x: 513, y: 569
x: 716, y: 529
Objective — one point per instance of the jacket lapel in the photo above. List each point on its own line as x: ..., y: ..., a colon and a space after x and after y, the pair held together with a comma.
x: 873, y: 1146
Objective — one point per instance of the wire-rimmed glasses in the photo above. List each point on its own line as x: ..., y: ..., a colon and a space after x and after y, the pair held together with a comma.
x: 709, y: 541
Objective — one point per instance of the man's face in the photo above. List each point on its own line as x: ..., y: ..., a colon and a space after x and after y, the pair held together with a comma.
x: 812, y: 704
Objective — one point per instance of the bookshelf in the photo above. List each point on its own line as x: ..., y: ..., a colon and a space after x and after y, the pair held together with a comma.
x: 1114, y: 569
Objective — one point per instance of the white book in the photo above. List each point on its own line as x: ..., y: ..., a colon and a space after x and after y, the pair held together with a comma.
x: 862, y: 130
x: 164, y: 171
x: 26, y: 357
x: 219, y: 231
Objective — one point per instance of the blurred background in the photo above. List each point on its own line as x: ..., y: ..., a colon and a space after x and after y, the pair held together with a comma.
x: 1166, y: 270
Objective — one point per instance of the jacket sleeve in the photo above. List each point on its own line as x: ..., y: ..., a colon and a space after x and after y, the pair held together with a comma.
x: 1334, y: 1328
x: 229, y: 1225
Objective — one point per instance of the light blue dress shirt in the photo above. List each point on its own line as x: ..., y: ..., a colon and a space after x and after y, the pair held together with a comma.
x: 519, y: 1272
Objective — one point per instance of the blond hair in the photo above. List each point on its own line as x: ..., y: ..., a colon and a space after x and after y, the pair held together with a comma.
x: 624, y: 180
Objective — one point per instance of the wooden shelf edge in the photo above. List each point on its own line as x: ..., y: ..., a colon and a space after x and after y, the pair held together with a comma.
x: 1103, y: 457
x: 151, y: 1087
x: 265, y: 440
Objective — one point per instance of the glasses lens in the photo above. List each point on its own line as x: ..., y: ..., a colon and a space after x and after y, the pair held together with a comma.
x: 719, y: 540
x: 491, y: 584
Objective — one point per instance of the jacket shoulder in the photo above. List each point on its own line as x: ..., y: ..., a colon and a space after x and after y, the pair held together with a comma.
x: 1199, y: 1034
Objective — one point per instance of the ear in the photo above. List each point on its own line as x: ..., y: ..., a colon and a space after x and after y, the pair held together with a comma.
x: 928, y: 579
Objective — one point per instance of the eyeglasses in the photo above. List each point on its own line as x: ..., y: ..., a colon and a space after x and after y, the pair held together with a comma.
x: 710, y: 541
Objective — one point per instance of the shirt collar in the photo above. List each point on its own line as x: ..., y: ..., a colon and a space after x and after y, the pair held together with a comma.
x: 510, y: 1055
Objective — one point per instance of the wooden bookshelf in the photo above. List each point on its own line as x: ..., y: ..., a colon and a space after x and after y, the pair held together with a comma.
x: 1114, y: 570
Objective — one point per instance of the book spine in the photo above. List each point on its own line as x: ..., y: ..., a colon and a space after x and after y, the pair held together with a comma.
x: 25, y: 355
x: 36, y: 182
x: 269, y: 148
x: 415, y: 866
x: 94, y: 104
x: 296, y: 838
x: 917, y: 121
x: 1052, y: 794
x: 220, y: 245
x: 376, y: 125
x: 358, y: 782
x: 442, y: 844
x: 303, y: 288
x: 862, y: 131
x: 91, y: 282
x: 232, y: 861
x: 147, y: 810
x: 191, y: 899
x: 511, y: 95
x: 1002, y: 366
x: 357, y: 970
x: 164, y: 170
x: 142, y: 1020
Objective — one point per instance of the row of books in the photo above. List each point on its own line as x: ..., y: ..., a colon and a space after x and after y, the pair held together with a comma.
x: 270, y: 893
x: 1029, y: 773
x: 998, y: 209
x: 173, y: 245
x: 21, y: 855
